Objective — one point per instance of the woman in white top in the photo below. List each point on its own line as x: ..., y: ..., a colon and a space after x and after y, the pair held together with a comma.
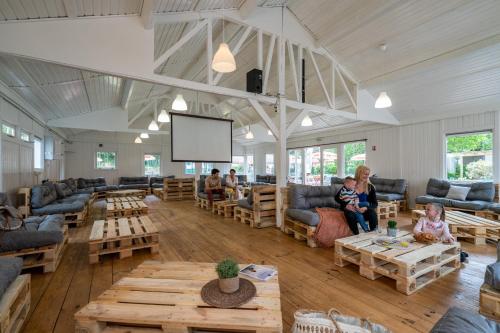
x: 232, y: 184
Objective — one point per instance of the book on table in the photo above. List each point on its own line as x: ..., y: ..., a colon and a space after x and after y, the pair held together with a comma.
x: 258, y: 272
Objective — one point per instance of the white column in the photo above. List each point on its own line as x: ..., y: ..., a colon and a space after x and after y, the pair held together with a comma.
x: 496, y: 147
x: 210, y: 53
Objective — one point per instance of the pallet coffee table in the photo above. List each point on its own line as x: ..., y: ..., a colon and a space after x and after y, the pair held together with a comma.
x: 413, y: 267
x: 127, y: 193
x: 224, y: 208
x: 126, y: 208
x: 122, y: 235
x: 466, y: 226
x: 165, y: 297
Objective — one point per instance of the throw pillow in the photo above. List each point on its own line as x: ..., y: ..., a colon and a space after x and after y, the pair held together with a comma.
x: 458, y: 192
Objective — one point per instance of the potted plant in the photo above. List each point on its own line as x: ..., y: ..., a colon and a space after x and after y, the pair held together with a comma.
x: 228, y: 270
x: 391, y: 228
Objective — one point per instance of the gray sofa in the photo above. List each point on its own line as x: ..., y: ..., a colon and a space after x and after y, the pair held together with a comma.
x: 58, y: 198
x: 133, y: 183
x: 10, y: 268
x: 157, y: 182
x: 386, y: 189
x: 479, y: 198
x: 457, y: 320
x: 201, y: 188
x: 91, y: 185
x: 265, y: 179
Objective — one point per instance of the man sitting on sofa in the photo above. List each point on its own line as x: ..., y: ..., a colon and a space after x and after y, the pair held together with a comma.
x: 213, y: 185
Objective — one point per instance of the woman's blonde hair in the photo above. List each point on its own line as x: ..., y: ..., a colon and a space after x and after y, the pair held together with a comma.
x: 440, y: 209
x: 361, y: 169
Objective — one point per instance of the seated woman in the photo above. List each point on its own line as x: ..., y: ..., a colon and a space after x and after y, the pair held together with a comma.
x: 367, y: 201
x: 213, y: 185
x: 232, y: 184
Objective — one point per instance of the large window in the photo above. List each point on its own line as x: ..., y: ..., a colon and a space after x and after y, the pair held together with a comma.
x: 152, y: 165
x: 105, y: 160
x: 354, y: 155
x: 25, y: 136
x: 269, y: 164
x: 238, y: 164
x: 312, y: 165
x: 206, y: 168
x: 469, y: 156
x: 295, y: 166
x: 189, y: 168
x: 8, y: 130
x: 329, y: 164
x: 37, y: 154
x: 249, y: 168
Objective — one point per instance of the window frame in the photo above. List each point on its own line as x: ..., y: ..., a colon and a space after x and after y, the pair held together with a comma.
x: 344, y: 160
x: 21, y: 132
x: 41, y: 157
x: 209, y: 172
x: 243, y: 167
x: 144, y: 164
x: 185, y: 168
x: 11, y: 127
x: 265, y: 165
x: 105, y: 169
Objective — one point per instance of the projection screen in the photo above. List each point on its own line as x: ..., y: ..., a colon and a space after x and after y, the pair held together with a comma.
x: 201, y: 139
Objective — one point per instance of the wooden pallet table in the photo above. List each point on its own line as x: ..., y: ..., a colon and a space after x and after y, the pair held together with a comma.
x: 15, y: 304
x: 122, y: 199
x: 158, y: 192
x: 127, y: 208
x: 203, y: 203
x: 465, y: 226
x: 178, y: 189
x: 165, y: 297
x: 489, y: 302
x: 413, y: 268
x: 122, y: 235
x: 224, y: 208
x: 127, y: 193
x: 386, y: 210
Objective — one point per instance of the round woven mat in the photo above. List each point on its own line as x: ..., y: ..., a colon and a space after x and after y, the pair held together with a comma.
x: 211, y: 294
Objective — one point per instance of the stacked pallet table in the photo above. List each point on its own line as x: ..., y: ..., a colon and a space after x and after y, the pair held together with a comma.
x: 125, y: 206
x: 122, y: 235
x: 465, y: 226
x: 15, y: 304
x: 127, y: 193
x: 489, y: 302
x: 386, y: 210
x: 178, y: 189
x: 165, y: 297
x: 224, y: 208
x: 158, y: 192
x: 413, y: 268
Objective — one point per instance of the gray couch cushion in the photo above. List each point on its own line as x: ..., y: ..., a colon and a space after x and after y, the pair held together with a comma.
x: 60, y: 208
x: 386, y: 185
x: 437, y: 187
x: 133, y: 180
x: 10, y: 268
x: 425, y: 199
x: 472, y: 205
x: 133, y: 186
x: 88, y: 190
x: 105, y: 188
x: 71, y: 183
x: 42, y: 195
x: 495, y: 207
x: 244, y: 203
x: 75, y: 197
x: 91, y: 182
x: 216, y: 196
x: 63, y: 190
x: 306, y: 196
x: 307, y: 216
x: 457, y: 320
x: 483, y: 191
x: 389, y: 196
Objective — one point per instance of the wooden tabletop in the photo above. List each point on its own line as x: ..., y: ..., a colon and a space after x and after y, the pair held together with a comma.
x: 461, y: 219
x: 168, y: 295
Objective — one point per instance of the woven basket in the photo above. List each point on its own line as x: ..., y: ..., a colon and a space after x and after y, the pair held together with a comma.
x: 311, y: 321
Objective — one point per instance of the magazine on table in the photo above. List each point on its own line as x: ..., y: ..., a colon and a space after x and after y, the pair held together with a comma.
x: 258, y: 272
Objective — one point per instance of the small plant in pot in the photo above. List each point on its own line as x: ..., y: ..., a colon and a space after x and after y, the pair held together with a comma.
x: 228, y: 270
x: 392, y: 230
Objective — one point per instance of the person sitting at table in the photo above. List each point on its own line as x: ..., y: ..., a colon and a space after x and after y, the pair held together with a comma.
x: 213, y: 185
x: 232, y: 184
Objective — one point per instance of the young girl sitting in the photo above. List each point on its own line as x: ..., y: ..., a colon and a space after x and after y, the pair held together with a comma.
x: 433, y: 223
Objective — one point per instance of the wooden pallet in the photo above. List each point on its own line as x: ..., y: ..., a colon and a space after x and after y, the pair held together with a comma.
x: 489, y: 302
x: 127, y: 193
x: 386, y: 210
x: 178, y: 189
x: 47, y: 257
x: 413, y: 268
x: 77, y: 219
x: 300, y: 231
x: 480, y: 213
x: 122, y: 235
x: 165, y: 297
x: 468, y: 227
x: 225, y: 208
x: 128, y: 208
x: 15, y: 304
x: 158, y: 192
x: 123, y: 199
x: 243, y: 215
x: 203, y: 203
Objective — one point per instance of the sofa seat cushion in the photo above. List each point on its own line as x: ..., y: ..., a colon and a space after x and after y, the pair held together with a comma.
x: 60, y: 208
x: 10, y: 268
x: 216, y: 196
x: 88, y: 190
x: 133, y: 187
x: 425, y: 199
x: 471, y: 205
x: 133, y: 180
x: 157, y: 185
x: 457, y: 320
x: 307, y: 196
x: 42, y: 195
x: 85, y: 183
x: 105, y: 188
x: 386, y: 185
x: 307, y: 216
x: 382, y: 196
x: 85, y: 197
x: 494, y: 207
x: 244, y: 204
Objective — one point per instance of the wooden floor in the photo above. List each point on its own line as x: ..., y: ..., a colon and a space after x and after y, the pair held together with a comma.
x: 308, y: 277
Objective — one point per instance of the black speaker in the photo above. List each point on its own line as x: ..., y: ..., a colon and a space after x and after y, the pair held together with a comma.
x: 254, y: 81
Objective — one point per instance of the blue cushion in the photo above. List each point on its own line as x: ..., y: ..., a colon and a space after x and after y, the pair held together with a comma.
x: 88, y: 190
x: 457, y: 320
x: 482, y: 191
x: 307, y: 216
x: 425, y: 199
x: 307, y: 196
x: 72, y: 184
x: 105, y: 188
x: 133, y: 186
x: 60, y: 208
x: 244, y: 204
x: 42, y: 195
x: 494, y: 207
x: 389, y: 196
x: 10, y: 268
x: 63, y: 190
x: 396, y: 186
x: 472, y: 205
x: 437, y: 187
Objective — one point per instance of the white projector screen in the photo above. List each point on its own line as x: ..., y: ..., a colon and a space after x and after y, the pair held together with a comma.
x: 201, y: 139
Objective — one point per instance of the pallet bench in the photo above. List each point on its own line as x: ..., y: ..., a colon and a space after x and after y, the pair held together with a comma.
x: 203, y: 203
x: 489, y: 302
x: 158, y: 192
x: 413, y: 268
x: 300, y: 231
x: 122, y: 235
x: 15, y: 305
x: 469, y: 227
x: 224, y: 208
x: 165, y: 297
x: 263, y: 212
x: 178, y: 189
x: 127, y: 208
x: 386, y: 210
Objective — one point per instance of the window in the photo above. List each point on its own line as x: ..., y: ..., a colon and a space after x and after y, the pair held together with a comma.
x: 189, y: 168
x: 25, y: 136
x: 469, y: 156
x: 249, y: 168
x: 238, y: 164
x: 312, y: 166
x: 329, y: 164
x: 37, y: 154
x: 206, y: 168
x: 105, y: 160
x: 8, y: 130
x: 354, y: 155
x: 295, y: 166
x: 269, y: 164
x: 152, y: 164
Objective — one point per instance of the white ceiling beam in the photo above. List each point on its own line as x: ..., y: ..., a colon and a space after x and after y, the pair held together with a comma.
x: 346, y: 88
x: 320, y: 78
x: 247, y: 8
x: 147, y: 17
x: 260, y: 49
x: 128, y: 88
x: 320, y: 109
x: 164, y: 57
x: 296, y: 121
x: 210, y: 52
x: 141, y: 111
x: 291, y: 58
x: 262, y: 113
x: 70, y: 6
x: 269, y: 61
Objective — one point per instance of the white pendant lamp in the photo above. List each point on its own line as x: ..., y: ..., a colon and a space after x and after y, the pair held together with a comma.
x: 138, y: 140
x: 249, y: 134
x: 306, y: 122
x: 153, y: 126
x: 223, y: 61
x: 383, y: 101
x: 163, y: 117
x: 179, y: 104
x: 144, y: 136
x: 269, y: 132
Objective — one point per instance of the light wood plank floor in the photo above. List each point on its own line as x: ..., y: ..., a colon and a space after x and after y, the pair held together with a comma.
x: 308, y: 277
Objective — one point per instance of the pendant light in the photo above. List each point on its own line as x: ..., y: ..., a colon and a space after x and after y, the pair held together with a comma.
x: 144, y: 136
x: 163, y: 117
x: 179, y: 104
x: 269, y: 132
x: 306, y: 122
x: 249, y: 134
x: 153, y: 125
x: 223, y: 61
x: 383, y: 101
x: 138, y: 140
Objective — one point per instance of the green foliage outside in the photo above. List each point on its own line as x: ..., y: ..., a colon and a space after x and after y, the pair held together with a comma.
x: 152, y: 165
x: 328, y: 169
x: 238, y: 168
x: 479, y: 170
x: 470, y: 142
x: 227, y: 268
x: 105, y: 160
x: 350, y: 150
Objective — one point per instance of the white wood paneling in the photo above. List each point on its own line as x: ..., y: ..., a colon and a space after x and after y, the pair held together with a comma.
x: 10, y: 167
